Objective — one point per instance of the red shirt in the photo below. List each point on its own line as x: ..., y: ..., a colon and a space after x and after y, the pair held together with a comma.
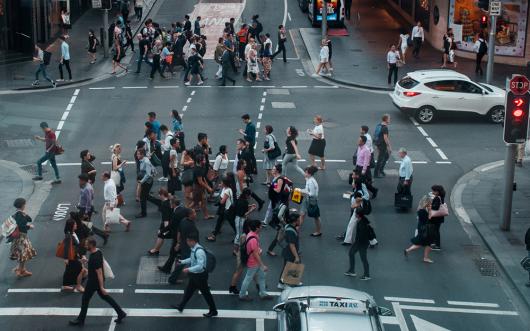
x: 252, y: 245
x: 49, y: 138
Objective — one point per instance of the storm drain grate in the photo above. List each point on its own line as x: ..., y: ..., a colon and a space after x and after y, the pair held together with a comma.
x: 486, y: 267
x: 32, y: 169
x: 148, y: 273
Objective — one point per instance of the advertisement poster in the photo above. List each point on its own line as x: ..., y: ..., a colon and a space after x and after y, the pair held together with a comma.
x: 510, y: 30
x: 332, y: 10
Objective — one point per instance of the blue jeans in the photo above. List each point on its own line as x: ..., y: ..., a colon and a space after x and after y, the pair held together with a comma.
x: 47, y: 157
x: 142, y: 58
x: 249, y: 275
x: 42, y: 68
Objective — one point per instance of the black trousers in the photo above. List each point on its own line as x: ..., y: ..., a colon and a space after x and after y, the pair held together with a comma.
x: 225, y: 76
x: 416, y: 42
x: 437, y: 241
x: 362, y: 253
x: 382, y: 158
x: 66, y: 63
x: 185, y: 252
x: 198, y: 282
x: 156, y: 67
x: 172, y: 256
x: 392, y: 71
x: 220, y: 220
x: 402, y: 188
x: 478, y: 63
x: 281, y: 48
x: 87, y: 295
x: 347, y: 9
x: 366, y: 178
x: 144, y: 194
x: 165, y: 164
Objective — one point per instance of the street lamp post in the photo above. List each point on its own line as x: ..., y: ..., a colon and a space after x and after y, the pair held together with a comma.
x: 491, y: 49
x: 324, y: 19
x: 105, y: 33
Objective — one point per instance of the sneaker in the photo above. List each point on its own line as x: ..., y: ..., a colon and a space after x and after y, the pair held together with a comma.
x: 200, y: 83
x: 57, y: 181
x: 350, y: 274
x: 54, y: 84
x: 37, y: 178
x: 60, y: 80
x: 162, y: 179
x: 365, y: 278
x: 314, y: 75
x: 436, y: 248
x: 35, y: 83
x: 187, y: 83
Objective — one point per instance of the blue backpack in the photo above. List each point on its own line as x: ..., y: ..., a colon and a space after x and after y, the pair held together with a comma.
x: 377, y: 133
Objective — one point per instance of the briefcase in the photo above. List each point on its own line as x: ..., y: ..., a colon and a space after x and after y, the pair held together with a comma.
x: 403, y: 201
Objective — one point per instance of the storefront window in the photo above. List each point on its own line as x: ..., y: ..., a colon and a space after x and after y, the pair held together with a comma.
x: 510, y: 32
x: 406, y: 5
x: 422, y: 12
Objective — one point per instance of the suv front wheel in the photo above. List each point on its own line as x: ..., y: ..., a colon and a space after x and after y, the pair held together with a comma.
x: 496, y: 115
x: 425, y: 114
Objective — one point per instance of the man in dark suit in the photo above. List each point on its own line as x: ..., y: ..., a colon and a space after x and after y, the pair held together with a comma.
x: 186, y: 228
x: 179, y: 212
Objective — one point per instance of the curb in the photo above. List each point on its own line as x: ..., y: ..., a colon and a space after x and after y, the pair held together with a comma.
x: 470, y: 220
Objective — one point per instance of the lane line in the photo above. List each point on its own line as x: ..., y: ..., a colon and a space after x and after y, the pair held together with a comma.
x: 169, y: 86
x: 102, y: 88
x: 423, y: 132
x: 260, y: 324
x: 261, y: 86
x: 112, y: 325
x: 289, y: 16
x: 295, y: 86
x: 76, y: 92
x: 433, y: 144
x: 392, y: 320
x: 184, y: 108
x: 262, y: 100
x: 60, y: 125
x: 414, y: 162
x: 400, y: 317
x: 462, y: 310
x: 192, y: 93
x: 258, y: 125
x: 442, y: 155
x: 260, y: 115
x: 285, y: 12
x: 134, y: 87
x: 69, y: 107
x: 261, y: 107
x: 188, y: 101
x: 444, y: 162
x: 52, y: 290
x: 473, y: 304
x: 65, y: 115
x: 264, y: 94
x: 135, y: 312
x: 73, y: 98
x: 399, y: 299
x: 325, y: 86
x: 414, y: 121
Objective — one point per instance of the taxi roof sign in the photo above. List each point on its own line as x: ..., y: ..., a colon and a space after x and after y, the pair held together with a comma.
x: 339, y: 305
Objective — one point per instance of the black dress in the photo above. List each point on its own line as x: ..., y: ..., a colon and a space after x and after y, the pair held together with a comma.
x: 425, y: 231
x: 74, y: 267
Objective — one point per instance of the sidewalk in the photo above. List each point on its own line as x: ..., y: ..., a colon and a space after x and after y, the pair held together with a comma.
x: 477, y: 199
x: 20, y: 75
x: 359, y: 59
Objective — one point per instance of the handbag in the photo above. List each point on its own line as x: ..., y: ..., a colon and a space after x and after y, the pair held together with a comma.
x: 297, y: 196
x: 399, y: 63
x: 276, y: 152
x: 107, y: 271
x: 112, y: 216
x: 312, y: 208
x: 115, y: 176
x: 169, y: 58
x: 441, y: 212
x: 9, y: 226
x: 60, y: 250
x: 292, y: 273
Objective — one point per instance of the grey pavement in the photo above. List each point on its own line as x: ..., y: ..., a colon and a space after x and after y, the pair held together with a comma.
x: 478, y: 200
x: 19, y: 76
x: 14, y: 183
x: 359, y: 59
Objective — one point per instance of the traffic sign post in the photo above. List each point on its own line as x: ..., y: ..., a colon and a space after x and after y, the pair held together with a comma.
x: 494, y: 11
x: 515, y: 131
x: 495, y: 8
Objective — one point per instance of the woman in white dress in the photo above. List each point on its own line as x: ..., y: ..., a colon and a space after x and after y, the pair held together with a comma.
x: 253, y: 67
x: 403, y: 43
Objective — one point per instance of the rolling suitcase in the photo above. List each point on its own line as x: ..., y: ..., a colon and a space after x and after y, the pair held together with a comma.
x: 403, y: 201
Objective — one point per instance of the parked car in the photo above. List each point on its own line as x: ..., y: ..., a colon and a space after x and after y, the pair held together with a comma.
x: 424, y: 94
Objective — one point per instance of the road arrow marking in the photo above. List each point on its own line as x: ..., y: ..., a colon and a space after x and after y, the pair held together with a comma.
x: 423, y: 325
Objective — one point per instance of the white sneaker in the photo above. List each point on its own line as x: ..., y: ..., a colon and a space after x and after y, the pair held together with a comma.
x: 60, y: 80
x: 162, y: 179
x: 35, y: 83
x: 315, y: 75
x: 200, y: 83
x: 187, y: 83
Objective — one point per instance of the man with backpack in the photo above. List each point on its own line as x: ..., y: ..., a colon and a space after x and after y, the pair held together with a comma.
x: 382, y: 142
x: 481, y: 48
x: 251, y: 259
x: 291, y: 245
x: 198, y: 275
x: 43, y: 58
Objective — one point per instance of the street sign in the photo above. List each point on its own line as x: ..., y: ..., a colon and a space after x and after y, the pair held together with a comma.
x: 495, y: 8
x: 96, y: 4
x: 519, y: 85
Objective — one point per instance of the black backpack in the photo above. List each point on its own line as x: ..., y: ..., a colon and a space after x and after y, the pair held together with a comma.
x: 210, y: 260
x: 46, y: 57
x: 367, y: 207
x: 483, y: 48
x: 243, y: 251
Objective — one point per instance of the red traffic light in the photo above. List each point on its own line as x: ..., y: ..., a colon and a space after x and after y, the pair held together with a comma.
x: 518, y: 102
x: 517, y: 113
x: 484, y: 19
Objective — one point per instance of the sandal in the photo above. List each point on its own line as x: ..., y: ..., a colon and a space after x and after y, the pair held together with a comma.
x: 209, y: 217
x: 211, y: 237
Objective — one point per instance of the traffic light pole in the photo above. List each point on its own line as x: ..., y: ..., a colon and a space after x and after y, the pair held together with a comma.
x: 509, y: 174
x: 105, y: 33
x: 325, y: 19
x: 491, y: 49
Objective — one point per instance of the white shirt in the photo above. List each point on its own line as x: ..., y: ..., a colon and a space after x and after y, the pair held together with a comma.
x: 369, y: 142
x: 311, y: 187
x: 228, y: 192
x: 220, y: 163
x: 405, y: 168
x: 166, y: 145
x: 392, y: 57
x: 417, y: 32
x: 109, y: 191
x: 319, y: 129
x: 247, y: 50
x: 173, y: 152
x: 476, y: 46
x: 324, y: 53
x: 268, y: 41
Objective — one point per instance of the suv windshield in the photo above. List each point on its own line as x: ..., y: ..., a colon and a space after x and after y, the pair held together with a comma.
x: 486, y: 87
x: 407, y: 82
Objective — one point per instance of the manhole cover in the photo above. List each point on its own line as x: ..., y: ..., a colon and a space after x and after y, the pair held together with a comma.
x: 486, y: 267
x: 19, y: 143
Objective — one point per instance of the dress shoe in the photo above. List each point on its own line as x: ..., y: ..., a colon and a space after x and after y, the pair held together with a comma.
x: 120, y: 318
x: 177, y: 308
x: 210, y: 314
x: 153, y: 253
x: 76, y: 322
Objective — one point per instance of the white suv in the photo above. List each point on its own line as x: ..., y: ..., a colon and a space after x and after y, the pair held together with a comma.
x: 425, y: 93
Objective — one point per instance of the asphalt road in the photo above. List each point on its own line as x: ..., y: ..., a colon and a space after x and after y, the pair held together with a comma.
x: 451, y: 293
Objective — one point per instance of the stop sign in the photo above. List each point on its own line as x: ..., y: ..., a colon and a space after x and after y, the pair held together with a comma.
x: 519, y: 85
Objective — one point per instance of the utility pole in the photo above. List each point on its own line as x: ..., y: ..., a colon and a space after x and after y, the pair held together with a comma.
x: 509, y: 174
x: 324, y: 19
x: 105, y: 33
x: 491, y: 49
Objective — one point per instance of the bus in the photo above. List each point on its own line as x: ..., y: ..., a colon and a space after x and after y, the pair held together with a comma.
x: 335, y: 12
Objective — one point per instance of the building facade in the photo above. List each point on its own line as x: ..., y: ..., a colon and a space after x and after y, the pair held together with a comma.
x: 512, y: 46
